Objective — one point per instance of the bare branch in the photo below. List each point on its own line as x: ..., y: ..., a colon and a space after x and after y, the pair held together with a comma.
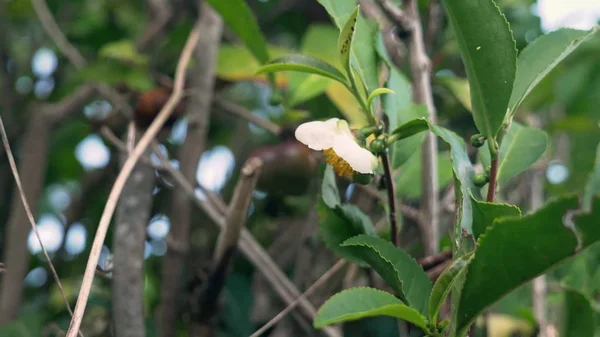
x: 71, y: 105
x: 242, y: 112
x: 57, y: 35
x: 225, y: 248
x: 128, y: 166
x: 13, y: 167
x: 238, y: 209
x: 161, y: 12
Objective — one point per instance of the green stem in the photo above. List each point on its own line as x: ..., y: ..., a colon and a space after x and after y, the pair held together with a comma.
x: 354, y: 89
x: 389, y: 183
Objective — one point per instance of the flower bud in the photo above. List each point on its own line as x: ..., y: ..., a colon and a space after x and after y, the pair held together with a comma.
x: 477, y: 140
x: 377, y: 146
x: 480, y: 179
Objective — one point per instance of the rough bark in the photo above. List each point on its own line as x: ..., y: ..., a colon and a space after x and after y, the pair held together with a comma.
x: 197, y: 113
x: 133, y: 214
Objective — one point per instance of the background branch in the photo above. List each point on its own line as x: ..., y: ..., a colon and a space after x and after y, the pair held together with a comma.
x: 409, y: 21
x: 27, y: 209
x: 237, y: 215
x: 128, y: 166
x: 52, y: 28
x: 198, y: 105
x: 32, y: 164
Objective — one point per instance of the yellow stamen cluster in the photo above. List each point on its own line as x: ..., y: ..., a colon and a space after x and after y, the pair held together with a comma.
x: 340, y: 166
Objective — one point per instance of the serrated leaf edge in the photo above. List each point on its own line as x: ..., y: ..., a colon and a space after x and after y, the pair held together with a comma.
x: 356, y: 288
x: 404, y: 299
x: 497, y: 222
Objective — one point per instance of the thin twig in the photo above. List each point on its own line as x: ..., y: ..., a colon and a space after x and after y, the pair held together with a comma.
x: 128, y: 166
x: 431, y: 261
x: 15, y: 172
x: 389, y: 184
x: 244, y: 113
x: 318, y: 283
x: 57, y: 35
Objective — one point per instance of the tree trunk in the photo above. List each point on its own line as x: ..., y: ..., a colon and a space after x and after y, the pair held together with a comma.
x: 133, y: 214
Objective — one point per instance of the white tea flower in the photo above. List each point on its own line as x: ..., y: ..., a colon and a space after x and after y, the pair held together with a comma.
x: 339, y: 146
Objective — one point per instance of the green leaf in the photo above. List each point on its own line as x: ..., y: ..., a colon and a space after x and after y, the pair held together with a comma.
x: 516, y: 250
x: 395, y: 266
x: 302, y: 63
x: 411, y: 128
x: 239, y: 17
x: 490, y: 57
x: 484, y: 214
x: 540, y: 57
x: 400, y: 109
x: 464, y: 172
x: 344, y: 44
x: 521, y: 147
x: 329, y: 189
x: 123, y: 50
x: 459, y: 87
x: 443, y: 285
x: 340, y: 223
x: 592, y: 187
x: 362, y: 53
x: 378, y: 92
x: 356, y: 303
x: 578, y: 315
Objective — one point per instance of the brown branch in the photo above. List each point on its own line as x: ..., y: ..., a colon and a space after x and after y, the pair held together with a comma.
x: 23, y: 197
x: 428, y: 262
x: 58, y: 112
x: 434, y: 23
x: 52, y: 28
x: 161, y: 12
x: 128, y: 166
x: 244, y: 113
x: 133, y: 214
x: 198, y: 104
x: 436, y: 271
x: 224, y: 253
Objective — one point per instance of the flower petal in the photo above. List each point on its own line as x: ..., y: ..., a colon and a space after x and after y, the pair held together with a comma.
x: 318, y: 135
x: 361, y: 160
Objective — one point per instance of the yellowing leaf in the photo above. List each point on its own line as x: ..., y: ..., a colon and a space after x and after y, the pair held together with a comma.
x: 236, y: 63
x: 347, y: 104
x: 123, y: 50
